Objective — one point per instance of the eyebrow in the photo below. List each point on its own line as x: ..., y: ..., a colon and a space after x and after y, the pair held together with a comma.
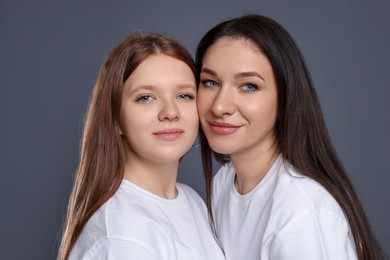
x: 248, y: 74
x: 185, y: 86
x: 236, y: 76
x: 142, y: 87
x: 208, y: 71
x: 155, y: 88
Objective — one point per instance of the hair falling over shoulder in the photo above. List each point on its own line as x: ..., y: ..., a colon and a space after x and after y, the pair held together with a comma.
x: 101, y: 167
x: 301, y: 131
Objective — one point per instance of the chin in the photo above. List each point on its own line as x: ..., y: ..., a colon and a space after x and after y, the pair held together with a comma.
x: 224, y: 148
x: 174, y: 154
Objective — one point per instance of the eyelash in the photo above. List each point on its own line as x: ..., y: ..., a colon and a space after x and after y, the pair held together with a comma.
x: 186, y: 96
x: 208, y: 83
x: 148, y: 98
x: 253, y: 86
x: 142, y: 98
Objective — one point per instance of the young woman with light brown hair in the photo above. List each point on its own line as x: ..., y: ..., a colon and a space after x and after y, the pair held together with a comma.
x: 142, y: 119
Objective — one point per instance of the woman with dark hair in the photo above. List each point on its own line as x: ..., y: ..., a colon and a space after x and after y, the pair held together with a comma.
x: 142, y: 119
x: 282, y: 192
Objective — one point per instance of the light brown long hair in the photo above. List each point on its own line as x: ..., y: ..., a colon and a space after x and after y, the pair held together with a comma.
x: 300, y: 128
x: 101, y: 167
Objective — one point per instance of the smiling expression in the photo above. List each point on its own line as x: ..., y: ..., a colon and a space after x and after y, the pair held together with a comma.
x: 237, y: 98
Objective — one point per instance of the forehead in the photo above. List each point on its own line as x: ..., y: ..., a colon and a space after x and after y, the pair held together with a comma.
x: 161, y: 64
x: 235, y: 55
x: 160, y: 70
x: 233, y: 47
x: 242, y: 42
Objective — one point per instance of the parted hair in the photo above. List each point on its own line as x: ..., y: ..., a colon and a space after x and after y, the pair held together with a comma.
x: 101, y: 167
x: 301, y: 133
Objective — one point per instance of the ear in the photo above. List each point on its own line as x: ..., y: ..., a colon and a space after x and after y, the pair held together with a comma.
x: 118, y: 129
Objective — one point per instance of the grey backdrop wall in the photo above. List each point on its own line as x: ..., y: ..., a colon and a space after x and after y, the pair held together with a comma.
x: 50, y: 54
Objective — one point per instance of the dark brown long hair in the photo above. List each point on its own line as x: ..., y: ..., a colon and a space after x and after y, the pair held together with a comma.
x: 101, y: 167
x: 300, y: 128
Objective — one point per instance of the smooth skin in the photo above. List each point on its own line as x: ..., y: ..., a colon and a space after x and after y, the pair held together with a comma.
x: 158, y: 121
x: 237, y: 105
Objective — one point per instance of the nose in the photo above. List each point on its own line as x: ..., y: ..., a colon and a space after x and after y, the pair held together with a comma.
x: 169, y: 111
x: 223, y: 103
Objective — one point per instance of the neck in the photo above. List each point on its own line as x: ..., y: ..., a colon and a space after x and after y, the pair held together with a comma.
x: 251, y: 167
x: 158, y: 178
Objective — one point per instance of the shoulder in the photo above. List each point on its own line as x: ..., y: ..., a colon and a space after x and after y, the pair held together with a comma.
x: 190, y: 197
x: 223, y: 178
x: 122, y: 221
x: 111, y: 248
x: 130, y: 216
x: 303, y: 193
x: 305, y: 215
x: 187, y: 190
x: 325, y: 232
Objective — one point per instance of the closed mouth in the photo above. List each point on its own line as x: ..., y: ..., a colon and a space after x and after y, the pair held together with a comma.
x: 221, y: 128
x: 169, y: 134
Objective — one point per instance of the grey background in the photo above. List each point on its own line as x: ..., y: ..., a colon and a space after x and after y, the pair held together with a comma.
x: 51, y: 52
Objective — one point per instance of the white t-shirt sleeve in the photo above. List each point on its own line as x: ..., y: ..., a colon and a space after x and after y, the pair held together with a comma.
x: 118, y: 249
x: 315, y: 234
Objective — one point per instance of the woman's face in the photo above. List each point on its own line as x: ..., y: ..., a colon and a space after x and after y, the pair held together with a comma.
x: 237, y: 98
x: 158, y: 117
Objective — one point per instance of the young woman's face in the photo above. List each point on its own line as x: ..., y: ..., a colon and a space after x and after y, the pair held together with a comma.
x: 237, y: 98
x: 158, y: 117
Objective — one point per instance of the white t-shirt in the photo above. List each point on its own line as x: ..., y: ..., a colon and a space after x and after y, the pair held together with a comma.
x: 286, y: 216
x: 137, y: 224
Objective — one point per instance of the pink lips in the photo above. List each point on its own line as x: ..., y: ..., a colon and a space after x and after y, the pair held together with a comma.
x: 169, y: 134
x: 222, y: 128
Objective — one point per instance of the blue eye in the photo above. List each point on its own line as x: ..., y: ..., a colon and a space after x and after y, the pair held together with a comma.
x: 144, y: 98
x: 209, y: 83
x: 185, y: 96
x: 249, y: 87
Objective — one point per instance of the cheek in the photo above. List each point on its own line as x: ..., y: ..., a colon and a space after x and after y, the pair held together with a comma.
x: 135, y: 120
x: 263, y: 112
x: 191, y: 115
x: 195, y: 125
x: 203, y: 103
